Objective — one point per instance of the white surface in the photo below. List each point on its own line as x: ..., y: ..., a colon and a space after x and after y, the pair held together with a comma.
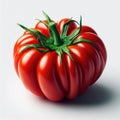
x: 101, y: 101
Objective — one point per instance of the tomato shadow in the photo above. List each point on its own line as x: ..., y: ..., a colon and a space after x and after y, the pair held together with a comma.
x: 97, y: 94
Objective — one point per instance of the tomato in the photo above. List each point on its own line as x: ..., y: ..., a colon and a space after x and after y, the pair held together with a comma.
x: 59, y: 60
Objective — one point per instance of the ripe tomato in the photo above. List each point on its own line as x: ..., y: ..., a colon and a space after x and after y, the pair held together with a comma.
x: 59, y: 60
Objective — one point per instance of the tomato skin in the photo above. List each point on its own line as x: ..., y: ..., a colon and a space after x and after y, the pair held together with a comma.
x: 48, y: 76
x: 27, y: 67
x: 43, y: 28
x: 87, y: 29
x: 72, y: 26
x: 101, y: 53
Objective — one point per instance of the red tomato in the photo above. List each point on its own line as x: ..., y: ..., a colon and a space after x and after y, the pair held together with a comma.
x: 59, y: 60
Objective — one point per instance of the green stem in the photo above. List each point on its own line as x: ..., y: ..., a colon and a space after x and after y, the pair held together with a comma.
x: 55, y: 34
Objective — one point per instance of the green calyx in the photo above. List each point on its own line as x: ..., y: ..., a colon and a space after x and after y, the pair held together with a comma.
x: 56, y: 41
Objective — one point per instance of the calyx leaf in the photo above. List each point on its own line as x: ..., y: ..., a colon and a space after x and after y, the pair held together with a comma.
x: 56, y: 42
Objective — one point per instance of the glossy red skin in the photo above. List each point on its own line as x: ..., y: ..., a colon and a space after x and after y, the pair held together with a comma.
x: 46, y: 76
x: 71, y: 27
x: 42, y: 28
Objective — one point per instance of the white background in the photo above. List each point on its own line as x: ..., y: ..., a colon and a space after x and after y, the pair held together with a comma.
x: 101, y: 101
